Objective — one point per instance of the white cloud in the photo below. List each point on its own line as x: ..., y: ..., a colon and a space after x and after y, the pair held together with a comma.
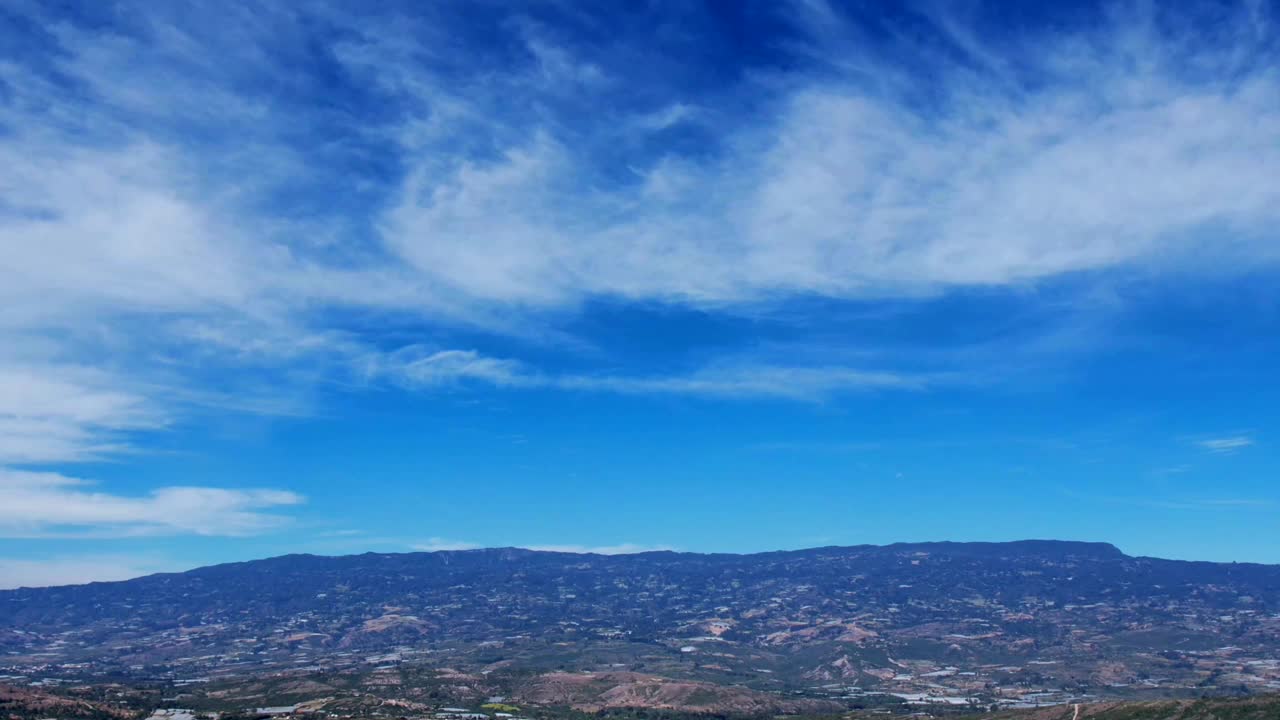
x: 78, y: 569
x: 419, y: 368
x: 58, y: 412
x: 619, y: 549
x: 436, y: 544
x: 855, y: 191
x: 427, y: 368
x: 39, y: 504
x: 142, y: 223
x: 1226, y: 445
x: 799, y: 383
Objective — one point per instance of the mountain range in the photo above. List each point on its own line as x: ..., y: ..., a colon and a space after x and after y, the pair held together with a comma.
x: 924, y: 625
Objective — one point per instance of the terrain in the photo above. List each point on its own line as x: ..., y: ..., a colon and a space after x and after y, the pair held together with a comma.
x: 936, y: 627
x: 1257, y: 708
x: 22, y: 704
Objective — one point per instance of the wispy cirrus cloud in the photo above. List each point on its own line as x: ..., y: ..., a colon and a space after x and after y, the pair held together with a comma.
x: 426, y: 369
x: 224, y: 221
x: 1189, y: 502
x: 1213, y: 504
x: 1226, y: 445
x: 799, y: 383
x: 1118, y: 153
x: 54, y: 412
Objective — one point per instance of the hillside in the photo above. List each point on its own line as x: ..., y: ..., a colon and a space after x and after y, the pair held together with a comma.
x: 932, y: 623
x: 22, y: 703
x: 1255, y: 708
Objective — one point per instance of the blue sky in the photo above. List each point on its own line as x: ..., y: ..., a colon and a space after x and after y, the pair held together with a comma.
x: 723, y: 277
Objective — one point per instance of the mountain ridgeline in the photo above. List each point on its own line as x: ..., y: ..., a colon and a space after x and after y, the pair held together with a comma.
x: 511, y: 588
x: 1062, y: 616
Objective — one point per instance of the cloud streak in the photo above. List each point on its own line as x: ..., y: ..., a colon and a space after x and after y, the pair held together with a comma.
x: 37, y: 504
x: 437, y: 544
x: 74, y: 570
x: 1226, y: 445
x: 619, y: 549
x: 426, y: 369
x: 58, y: 412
